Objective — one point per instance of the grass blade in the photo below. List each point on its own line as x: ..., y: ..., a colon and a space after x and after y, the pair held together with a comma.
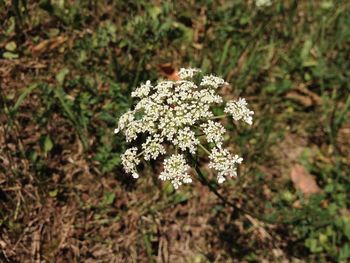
x: 59, y: 92
x: 21, y: 98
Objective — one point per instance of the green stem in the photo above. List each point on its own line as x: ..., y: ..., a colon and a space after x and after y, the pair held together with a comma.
x: 204, y: 149
x: 140, y: 154
x: 218, y: 117
x: 203, y: 179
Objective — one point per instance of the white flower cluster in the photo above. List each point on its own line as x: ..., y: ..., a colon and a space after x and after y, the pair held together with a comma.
x: 213, y: 81
x: 143, y: 90
x: 214, y: 132
x: 130, y: 161
x: 224, y: 163
x: 175, y: 170
x: 175, y: 116
x: 188, y: 73
x: 238, y: 109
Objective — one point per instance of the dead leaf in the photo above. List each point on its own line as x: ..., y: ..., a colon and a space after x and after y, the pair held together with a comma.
x: 303, y: 180
x: 48, y: 44
x: 300, y: 99
x: 316, y: 99
x: 297, y: 204
x: 304, y: 96
x: 169, y: 71
x: 36, y: 242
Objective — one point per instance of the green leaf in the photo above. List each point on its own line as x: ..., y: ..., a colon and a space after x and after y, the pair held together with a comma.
x: 179, y: 198
x: 20, y: 99
x: 154, y: 12
x: 306, y: 50
x: 48, y: 144
x: 9, y: 55
x: 323, y: 239
x: 61, y: 95
x: 168, y: 188
x: 11, y: 25
x: 346, y: 227
x: 313, y: 245
x: 60, y: 77
x: 11, y: 46
x: 53, y: 32
x: 342, y: 115
x: 148, y: 244
x: 310, y: 62
x: 53, y: 193
x: 326, y: 5
x: 344, y: 252
x: 108, y: 198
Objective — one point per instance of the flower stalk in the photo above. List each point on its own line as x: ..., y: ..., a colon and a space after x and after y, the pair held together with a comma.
x: 218, y: 117
x: 204, y: 181
x: 213, y: 188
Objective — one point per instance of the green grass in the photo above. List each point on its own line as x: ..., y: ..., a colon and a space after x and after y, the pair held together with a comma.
x: 68, y: 68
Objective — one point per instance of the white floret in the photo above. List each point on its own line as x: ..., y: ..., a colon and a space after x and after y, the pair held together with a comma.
x: 213, y: 81
x: 176, y: 171
x: 214, y: 132
x: 238, y: 109
x: 186, y: 140
x: 224, y: 163
x: 133, y: 129
x: 188, y: 73
x: 124, y: 120
x: 153, y: 147
x: 143, y: 90
x: 130, y: 161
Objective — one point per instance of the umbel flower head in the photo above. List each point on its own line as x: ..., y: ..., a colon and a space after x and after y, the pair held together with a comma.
x: 177, y: 119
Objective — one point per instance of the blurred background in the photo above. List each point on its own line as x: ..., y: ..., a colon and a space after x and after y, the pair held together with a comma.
x: 67, y: 68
